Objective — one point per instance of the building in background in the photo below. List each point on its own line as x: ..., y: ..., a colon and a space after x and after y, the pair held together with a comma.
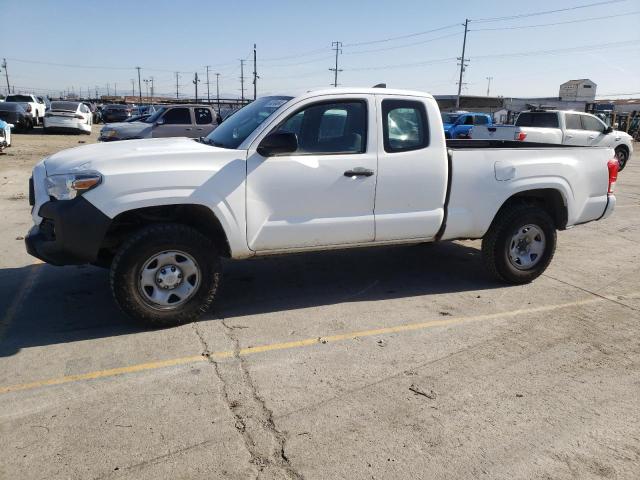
x: 581, y: 90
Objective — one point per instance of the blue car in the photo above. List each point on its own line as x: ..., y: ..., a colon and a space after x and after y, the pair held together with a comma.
x: 457, y: 125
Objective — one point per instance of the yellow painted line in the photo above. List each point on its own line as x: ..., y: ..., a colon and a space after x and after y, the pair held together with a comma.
x: 296, y: 344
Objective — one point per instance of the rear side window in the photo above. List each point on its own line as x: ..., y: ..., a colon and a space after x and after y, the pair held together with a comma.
x: 177, y: 116
x: 203, y: 116
x: 404, y: 125
x: 481, y: 120
x: 538, y: 119
x: 572, y: 121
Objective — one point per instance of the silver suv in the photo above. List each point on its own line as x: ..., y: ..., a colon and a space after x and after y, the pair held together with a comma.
x: 192, y: 121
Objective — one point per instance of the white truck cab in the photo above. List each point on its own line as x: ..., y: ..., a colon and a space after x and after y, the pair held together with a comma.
x: 329, y: 169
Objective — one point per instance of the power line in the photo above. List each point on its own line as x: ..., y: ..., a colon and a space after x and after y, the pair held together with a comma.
x: 404, y: 45
x: 401, y: 37
x: 555, y: 23
x: 534, y: 14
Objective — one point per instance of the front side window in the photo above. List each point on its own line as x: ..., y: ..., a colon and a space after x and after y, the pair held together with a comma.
x: 572, y: 121
x: 468, y: 120
x: 177, y: 116
x: 592, y: 124
x: 203, y: 116
x: 404, y: 124
x: 329, y: 128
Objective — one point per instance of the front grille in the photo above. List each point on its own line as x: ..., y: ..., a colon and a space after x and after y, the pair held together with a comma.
x: 32, y: 193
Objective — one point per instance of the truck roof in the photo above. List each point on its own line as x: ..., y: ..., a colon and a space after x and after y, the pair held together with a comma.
x: 363, y: 90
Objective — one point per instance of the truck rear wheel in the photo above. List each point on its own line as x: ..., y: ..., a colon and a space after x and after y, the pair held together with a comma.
x: 519, y: 244
x: 622, y: 154
x: 165, y: 275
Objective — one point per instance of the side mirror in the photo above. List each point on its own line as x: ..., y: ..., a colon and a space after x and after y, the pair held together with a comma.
x: 160, y: 121
x: 278, y: 143
x: 608, y: 130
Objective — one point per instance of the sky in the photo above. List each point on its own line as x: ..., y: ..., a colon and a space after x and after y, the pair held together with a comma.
x: 54, y: 46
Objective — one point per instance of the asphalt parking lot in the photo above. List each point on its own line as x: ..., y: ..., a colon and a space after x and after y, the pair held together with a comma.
x: 384, y: 363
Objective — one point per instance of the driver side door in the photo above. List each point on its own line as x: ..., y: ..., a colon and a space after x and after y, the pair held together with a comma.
x: 323, y: 193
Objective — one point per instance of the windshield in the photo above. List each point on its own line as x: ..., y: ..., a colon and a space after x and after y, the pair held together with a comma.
x: 449, y: 117
x: 155, y: 116
x: 234, y: 130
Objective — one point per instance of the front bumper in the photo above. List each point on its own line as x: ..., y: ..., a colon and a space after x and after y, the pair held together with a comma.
x: 70, y: 233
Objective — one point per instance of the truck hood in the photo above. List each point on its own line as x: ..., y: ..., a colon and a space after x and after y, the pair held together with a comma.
x: 447, y: 126
x: 129, y: 129
x: 98, y: 156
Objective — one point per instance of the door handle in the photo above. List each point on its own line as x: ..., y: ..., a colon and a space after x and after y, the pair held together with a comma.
x: 569, y: 136
x: 591, y: 137
x: 358, y: 172
x: 187, y: 129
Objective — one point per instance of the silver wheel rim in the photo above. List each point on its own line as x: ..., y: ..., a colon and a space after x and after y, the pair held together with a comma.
x: 526, y: 248
x: 168, y: 279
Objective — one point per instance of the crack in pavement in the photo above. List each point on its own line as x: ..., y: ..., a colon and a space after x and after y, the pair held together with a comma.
x: 253, y: 420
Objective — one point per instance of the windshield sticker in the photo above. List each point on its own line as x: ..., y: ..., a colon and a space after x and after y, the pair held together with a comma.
x: 275, y: 103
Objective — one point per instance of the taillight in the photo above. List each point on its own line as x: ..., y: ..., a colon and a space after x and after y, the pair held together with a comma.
x: 520, y: 136
x: 613, y: 165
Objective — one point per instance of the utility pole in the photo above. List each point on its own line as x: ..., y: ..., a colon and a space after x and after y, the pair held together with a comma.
x: 6, y: 74
x: 96, y: 91
x: 242, y: 80
x: 196, y: 80
x: 177, y: 85
x: 218, y: 90
x: 338, y: 48
x: 208, y: 98
x: 489, y: 85
x: 139, y: 86
x: 108, y: 91
x: 255, y: 74
x: 115, y: 89
x: 146, y: 89
x: 151, y: 80
x: 133, y: 87
x: 462, y: 61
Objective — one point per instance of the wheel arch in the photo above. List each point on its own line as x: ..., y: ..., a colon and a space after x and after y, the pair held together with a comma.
x: 197, y: 216
x: 551, y: 200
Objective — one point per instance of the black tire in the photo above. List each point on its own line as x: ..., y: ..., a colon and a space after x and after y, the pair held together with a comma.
x: 498, y: 241
x: 127, y: 265
x: 622, y: 154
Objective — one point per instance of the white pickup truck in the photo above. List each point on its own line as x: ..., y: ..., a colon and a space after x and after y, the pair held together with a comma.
x: 36, y: 104
x: 329, y: 169
x: 559, y: 126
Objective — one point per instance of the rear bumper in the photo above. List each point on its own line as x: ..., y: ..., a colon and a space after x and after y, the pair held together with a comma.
x: 611, y: 205
x: 70, y: 233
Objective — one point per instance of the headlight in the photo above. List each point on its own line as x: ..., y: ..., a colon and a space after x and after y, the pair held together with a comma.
x: 108, y: 133
x: 69, y: 186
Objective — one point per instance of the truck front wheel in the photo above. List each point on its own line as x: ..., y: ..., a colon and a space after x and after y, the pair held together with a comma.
x: 519, y: 244
x: 165, y: 275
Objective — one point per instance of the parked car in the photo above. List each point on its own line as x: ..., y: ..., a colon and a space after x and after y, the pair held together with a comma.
x: 116, y: 113
x: 47, y: 102
x: 37, y: 106
x: 333, y: 168
x: 68, y: 116
x: 16, y: 114
x: 457, y: 125
x: 168, y: 121
x: 96, y: 115
x: 562, y: 127
x: 5, y: 135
